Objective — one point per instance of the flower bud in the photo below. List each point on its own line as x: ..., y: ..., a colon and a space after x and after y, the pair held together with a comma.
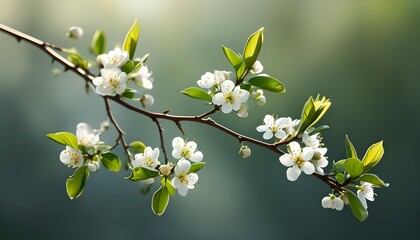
x: 261, y: 100
x: 245, y: 152
x: 75, y: 32
x: 257, y: 67
x: 243, y: 112
x: 147, y: 100
x: 344, y: 198
x: 165, y: 169
x: 93, y: 166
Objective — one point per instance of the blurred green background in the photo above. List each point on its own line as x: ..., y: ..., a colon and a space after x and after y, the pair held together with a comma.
x: 364, y: 55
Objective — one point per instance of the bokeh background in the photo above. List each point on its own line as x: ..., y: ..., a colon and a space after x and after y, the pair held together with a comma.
x: 364, y: 55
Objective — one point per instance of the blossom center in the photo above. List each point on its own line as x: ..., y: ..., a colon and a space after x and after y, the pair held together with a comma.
x: 230, y: 98
x: 299, y: 162
x: 183, y: 178
x: 74, y: 157
x: 113, y: 81
x: 186, y: 153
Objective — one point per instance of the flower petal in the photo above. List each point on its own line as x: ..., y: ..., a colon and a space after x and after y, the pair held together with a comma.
x: 287, y: 160
x: 268, y: 120
x: 293, y: 173
x: 183, y: 166
x: 268, y: 135
x: 280, y: 134
x: 307, y: 153
x: 308, y: 168
x: 192, y: 179
x: 178, y: 143
x: 262, y: 128
x: 218, y: 99
x: 176, y: 182
x: 227, y: 108
x: 327, y: 202
x: 183, y: 189
x: 227, y: 86
x: 197, y: 156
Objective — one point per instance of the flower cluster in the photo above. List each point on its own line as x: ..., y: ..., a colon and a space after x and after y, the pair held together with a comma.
x: 307, y: 159
x: 228, y: 95
x: 282, y: 128
x: 86, y: 151
x: 113, y: 79
x: 184, y: 152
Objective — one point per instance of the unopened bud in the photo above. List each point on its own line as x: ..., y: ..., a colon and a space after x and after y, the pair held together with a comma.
x: 243, y: 112
x: 261, y: 100
x: 344, y: 198
x: 75, y: 32
x: 257, y: 67
x: 147, y: 100
x: 93, y: 166
x: 245, y: 152
x: 165, y: 169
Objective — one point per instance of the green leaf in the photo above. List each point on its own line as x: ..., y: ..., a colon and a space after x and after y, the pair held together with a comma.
x: 111, y: 162
x: 313, y: 130
x: 350, y: 150
x: 98, y: 43
x: 160, y: 200
x: 140, y: 173
x: 64, y: 138
x: 165, y: 181
x: 130, y: 41
x: 313, y: 111
x: 373, y: 179
x: 137, y: 146
x: 197, y: 93
x: 356, y: 206
x: 372, y: 156
x: 76, y: 182
x: 79, y: 61
x: 130, y: 93
x: 354, y: 167
x: 340, y: 178
x: 253, y: 47
x: 236, y: 61
x: 339, y: 166
x: 195, y: 167
x: 128, y: 67
x: 267, y: 83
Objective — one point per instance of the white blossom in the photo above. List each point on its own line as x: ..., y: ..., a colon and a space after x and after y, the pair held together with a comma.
x: 365, y: 192
x: 297, y: 160
x: 220, y: 77
x: 86, y: 137
x: 259, y: 97
x: 257, y: 67
x: 332, y: 202
x: 75, y: 32
x: 111, y: 82
x: 273, y: 127
x: 186, y: 150
x: 319, y: 160
x: 143, y: 77
x: 207, y: 80
x: 230, y: 97
x: 114, y: 58
x: 71, y: 157
x: 184, y: 180
x: 147, y: 159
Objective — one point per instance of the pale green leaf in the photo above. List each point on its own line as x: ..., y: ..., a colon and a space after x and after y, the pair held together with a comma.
x: 65, y: 138
x: 373, y: 156
x: 235, y: 60
x: 354, y: 167
x: 350, y: 150
x: 195, y: 167
x: 137, y: 146
x: 253, y: 47
x: 160, y: 200
x: 356, y: 206
x: 76, y: 182
x: 140, y: 173
x: 373, y: 179
x: 267, y: 83
x: 98, y: 43
x: 111, y: 162
x: 131, y: 39
x: 197, y: 93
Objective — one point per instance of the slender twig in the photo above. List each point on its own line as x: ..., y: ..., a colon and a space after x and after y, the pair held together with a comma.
x: 162, y: 142
x: 121, y: 133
